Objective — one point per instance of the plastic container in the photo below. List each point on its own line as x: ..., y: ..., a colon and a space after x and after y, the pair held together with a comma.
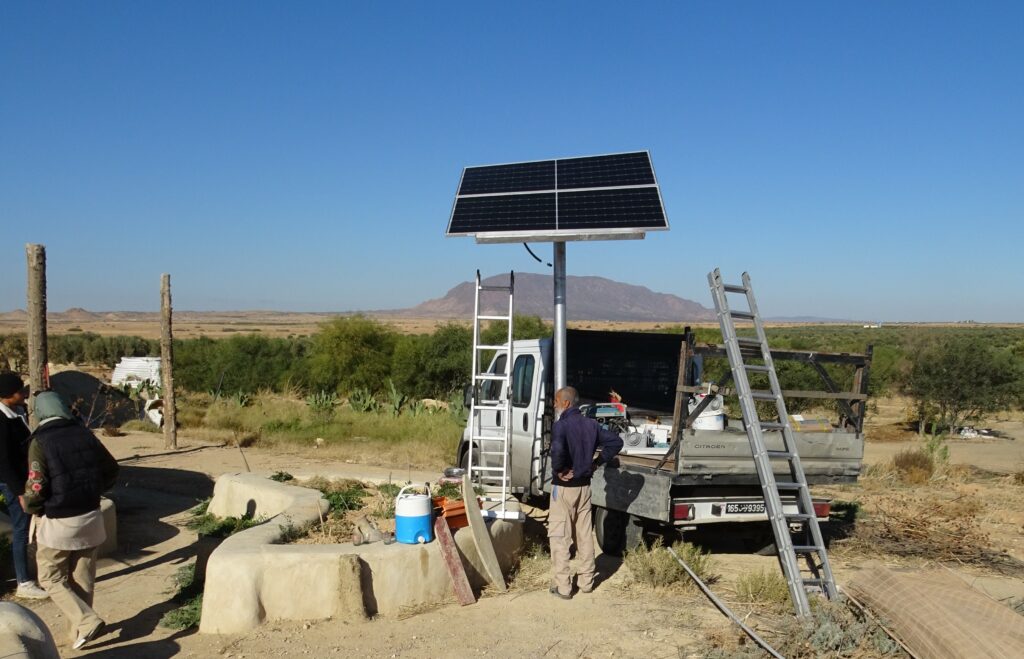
x: 713, y: 417
x: 413, y: 518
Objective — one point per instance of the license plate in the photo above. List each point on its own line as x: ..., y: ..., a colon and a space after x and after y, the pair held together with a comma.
x: 744, y: 508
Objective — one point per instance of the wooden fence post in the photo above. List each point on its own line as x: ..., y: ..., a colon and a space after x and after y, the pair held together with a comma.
x: 37, y: 353
x: 167, y: 365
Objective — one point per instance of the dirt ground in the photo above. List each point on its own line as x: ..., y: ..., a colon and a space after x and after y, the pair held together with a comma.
x: 620, y: 619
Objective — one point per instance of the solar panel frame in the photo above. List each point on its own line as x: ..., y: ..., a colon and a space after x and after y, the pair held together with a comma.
x: 624, y: 169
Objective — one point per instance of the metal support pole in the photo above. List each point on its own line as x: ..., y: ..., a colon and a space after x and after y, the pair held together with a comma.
x: 559, y: 275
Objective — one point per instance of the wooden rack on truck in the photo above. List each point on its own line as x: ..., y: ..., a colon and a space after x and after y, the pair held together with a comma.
x: 852, y: 403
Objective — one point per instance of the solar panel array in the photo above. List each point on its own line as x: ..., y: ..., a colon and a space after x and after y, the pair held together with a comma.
x: 570, y: 196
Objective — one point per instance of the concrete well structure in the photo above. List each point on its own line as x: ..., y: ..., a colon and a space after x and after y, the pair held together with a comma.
x: 251, y: 578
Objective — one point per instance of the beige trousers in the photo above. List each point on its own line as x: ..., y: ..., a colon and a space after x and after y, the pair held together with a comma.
x: 569, y: 518
x: 69, y: 576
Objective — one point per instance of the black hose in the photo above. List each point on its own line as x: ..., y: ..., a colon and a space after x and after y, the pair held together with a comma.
x: 724, y: 609
x: 534, y: 255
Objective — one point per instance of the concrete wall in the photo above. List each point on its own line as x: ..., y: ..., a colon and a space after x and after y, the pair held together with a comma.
x: 250, y: 578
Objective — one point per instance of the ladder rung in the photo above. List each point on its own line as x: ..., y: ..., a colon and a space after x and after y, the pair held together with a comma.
x: 492, y: 317
x: 763, y: 395
x: 772, y: 425
x: 490, y: 376
x: 798, y: 516
x: 489, y: 407
x: 742, y: 315
x: 487, y: 468
x: 507, y: 289
x: 783, y: 455
x: 733, y: 288
x: 485, y: 347
x: 490, y: 453
x: 485, y: 438
x: 748, y: 341
x: 813, y: 582
x: 806, y: 549
x: 757, y: 368
x: 788, y: 486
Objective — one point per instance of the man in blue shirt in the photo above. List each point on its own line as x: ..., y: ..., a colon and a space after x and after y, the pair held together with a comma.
x: 574, y: 441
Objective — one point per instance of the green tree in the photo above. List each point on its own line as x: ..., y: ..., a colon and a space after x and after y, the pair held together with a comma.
x: 433, y: 365
x: 523, y: 327
x: 958, y: 379
x: 351, y: 352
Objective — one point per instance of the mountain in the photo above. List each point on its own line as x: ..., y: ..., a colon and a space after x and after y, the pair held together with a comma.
x: 587, y: 298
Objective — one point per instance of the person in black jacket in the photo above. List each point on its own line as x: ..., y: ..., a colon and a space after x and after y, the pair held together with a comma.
x: 574, y: 440
x: 69, y: 469
x: 14, y: 433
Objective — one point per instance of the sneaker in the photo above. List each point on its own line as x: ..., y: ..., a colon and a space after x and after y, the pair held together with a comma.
x: 554, y: 591
x: 82, y: 640
x: 587, y: 591
x: 30, y: 590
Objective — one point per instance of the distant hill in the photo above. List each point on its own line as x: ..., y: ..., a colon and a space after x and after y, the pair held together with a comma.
x: 588, y: 298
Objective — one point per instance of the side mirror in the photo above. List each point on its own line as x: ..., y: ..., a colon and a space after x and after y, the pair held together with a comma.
x: 467, y: 396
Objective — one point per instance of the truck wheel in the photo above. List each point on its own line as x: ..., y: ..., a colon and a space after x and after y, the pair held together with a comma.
x: 617, y: 532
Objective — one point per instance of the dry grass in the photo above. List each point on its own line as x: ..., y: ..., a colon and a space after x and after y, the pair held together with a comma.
x: 832, y: 630
x: 284, y: 421
x: 533, y: 571
x: 765, y: 587
x: 927, y: 525
x: 914, y: 466
x: 655, y: 567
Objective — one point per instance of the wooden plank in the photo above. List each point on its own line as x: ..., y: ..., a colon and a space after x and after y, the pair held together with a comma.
x: 791, y: 393
x: 452, y: 561
x: 482, y: 537
x: 833, y: 388
x: 712, y: 350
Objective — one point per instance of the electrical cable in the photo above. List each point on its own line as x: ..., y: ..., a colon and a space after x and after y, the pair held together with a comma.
x: 720, y: 605
x: 534, y: 255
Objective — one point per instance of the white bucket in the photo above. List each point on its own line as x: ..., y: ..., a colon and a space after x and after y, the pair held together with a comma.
x: 412, y: 517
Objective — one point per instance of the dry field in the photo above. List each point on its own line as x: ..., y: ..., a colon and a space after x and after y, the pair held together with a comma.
x: 972, y: 512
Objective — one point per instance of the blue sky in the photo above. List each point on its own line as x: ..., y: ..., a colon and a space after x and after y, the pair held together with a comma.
x: 861, y: 160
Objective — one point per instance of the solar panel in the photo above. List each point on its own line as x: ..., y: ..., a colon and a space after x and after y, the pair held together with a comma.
x: 609, y: 196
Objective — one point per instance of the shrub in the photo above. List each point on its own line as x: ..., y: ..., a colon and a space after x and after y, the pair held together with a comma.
x: 763, y: 587
x: 190, y: 595
x: 915, y: 466
x: 142, y: 425
x: 656, y: 567
x: 351, y: 352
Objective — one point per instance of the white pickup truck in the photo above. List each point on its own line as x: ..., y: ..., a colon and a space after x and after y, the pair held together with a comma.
x: 709, y: 478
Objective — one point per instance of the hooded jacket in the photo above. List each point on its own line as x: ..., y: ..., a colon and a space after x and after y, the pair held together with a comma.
x: 68, y: 467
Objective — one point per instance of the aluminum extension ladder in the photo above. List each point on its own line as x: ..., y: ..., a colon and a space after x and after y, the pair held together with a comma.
x: 813, y: 545
x: 489, y: 452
